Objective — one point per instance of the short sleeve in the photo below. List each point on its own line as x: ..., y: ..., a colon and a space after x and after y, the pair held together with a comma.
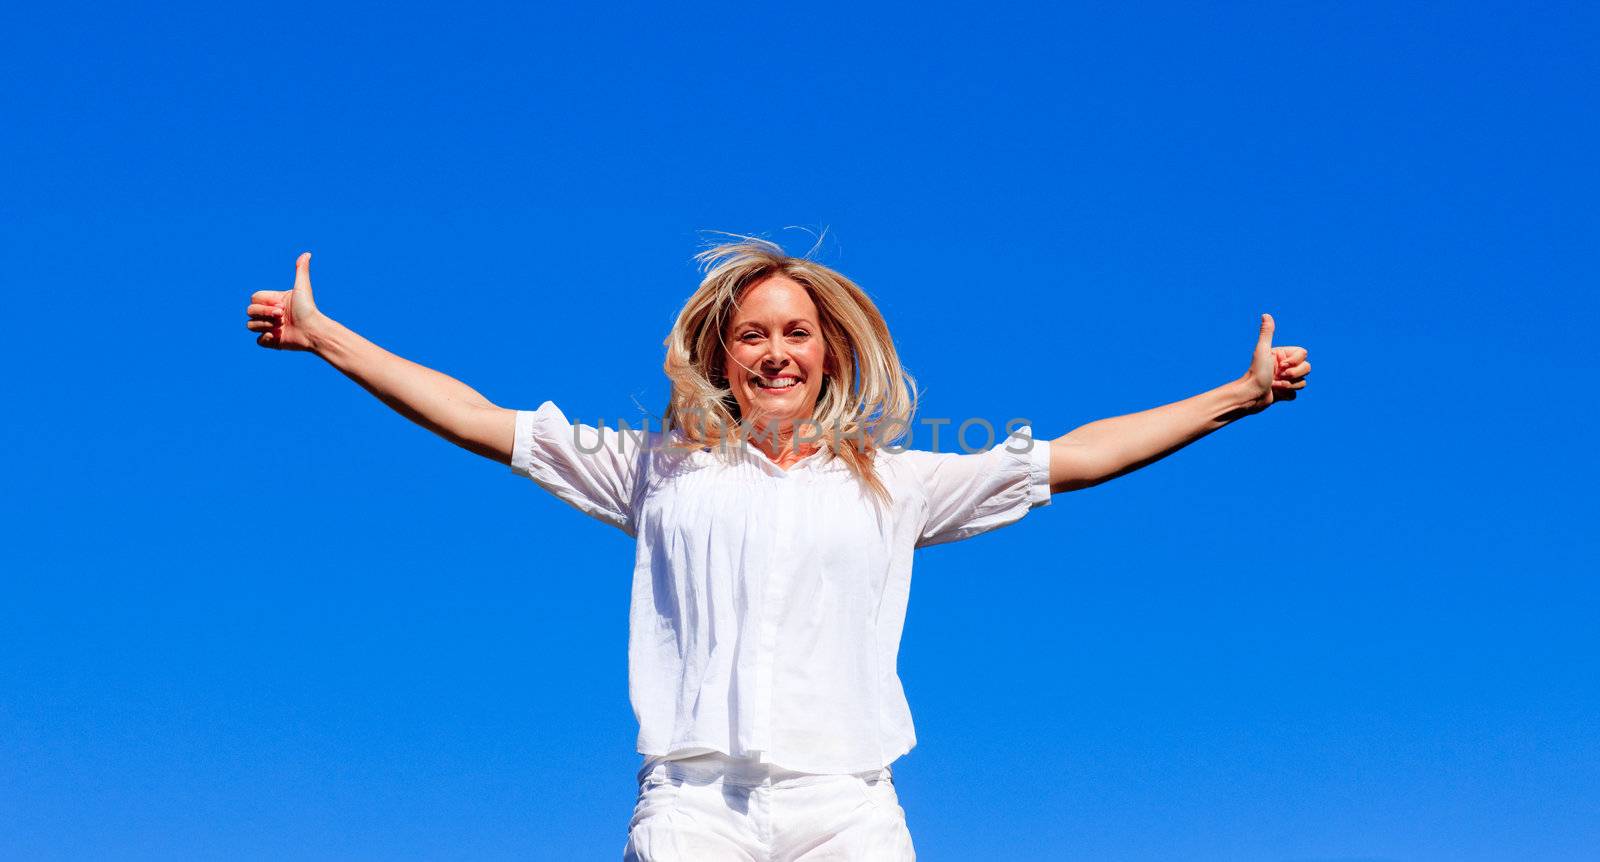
x: 592, y: 469
x: 974, y: 493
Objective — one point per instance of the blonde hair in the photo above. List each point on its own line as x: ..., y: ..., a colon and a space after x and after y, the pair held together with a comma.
x: 865, y: 392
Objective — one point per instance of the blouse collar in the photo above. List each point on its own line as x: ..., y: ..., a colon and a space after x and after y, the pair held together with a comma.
x: 814, y: 460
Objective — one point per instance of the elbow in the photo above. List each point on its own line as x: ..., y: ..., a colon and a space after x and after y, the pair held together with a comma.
x: 488, y: 431
x: 1075, y: 465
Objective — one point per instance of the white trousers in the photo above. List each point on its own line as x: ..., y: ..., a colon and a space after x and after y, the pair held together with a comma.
x: 716, y: 808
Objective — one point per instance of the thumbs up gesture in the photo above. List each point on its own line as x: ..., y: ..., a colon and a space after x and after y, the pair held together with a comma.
x: 1276, y: 373
x: 284, y: 317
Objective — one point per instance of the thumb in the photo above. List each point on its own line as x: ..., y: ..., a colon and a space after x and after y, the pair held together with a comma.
x: 1264, y: 341
x: 302, y: 276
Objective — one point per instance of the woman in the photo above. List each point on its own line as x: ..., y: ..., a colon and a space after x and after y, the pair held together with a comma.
x: 775, y: 520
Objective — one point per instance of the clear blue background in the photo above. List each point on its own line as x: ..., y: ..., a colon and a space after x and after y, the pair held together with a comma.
x: 250, y: 613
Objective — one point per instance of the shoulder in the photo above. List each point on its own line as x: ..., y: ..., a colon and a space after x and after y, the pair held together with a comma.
x: 908, y: 468
x: 619, y: 445
x: 1019, y: 451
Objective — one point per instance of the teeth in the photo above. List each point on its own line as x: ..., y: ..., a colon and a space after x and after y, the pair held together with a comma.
x: 776, y: 383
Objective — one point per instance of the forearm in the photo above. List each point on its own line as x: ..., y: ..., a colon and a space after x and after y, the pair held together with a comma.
x: 1108, y: 448
x: 436, y: 401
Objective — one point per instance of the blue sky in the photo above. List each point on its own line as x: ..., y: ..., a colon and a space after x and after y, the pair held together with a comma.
x: 250, y: 613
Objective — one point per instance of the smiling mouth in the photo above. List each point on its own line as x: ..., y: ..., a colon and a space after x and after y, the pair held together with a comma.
x: 782, y: 383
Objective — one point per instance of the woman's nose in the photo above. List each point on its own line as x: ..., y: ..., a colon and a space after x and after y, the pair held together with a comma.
x: 777, y: 352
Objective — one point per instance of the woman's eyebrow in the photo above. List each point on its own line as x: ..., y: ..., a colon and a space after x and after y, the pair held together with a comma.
x: 744, y: 323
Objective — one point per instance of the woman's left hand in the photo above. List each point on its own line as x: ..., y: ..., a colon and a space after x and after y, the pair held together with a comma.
x: 1276, y: 373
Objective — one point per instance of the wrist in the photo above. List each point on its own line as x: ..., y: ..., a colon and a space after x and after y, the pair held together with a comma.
x: 1246, y: 395
x: 322, y: 333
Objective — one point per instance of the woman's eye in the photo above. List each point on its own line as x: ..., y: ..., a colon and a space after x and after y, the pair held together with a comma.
x: 799, y: 333
x: 749, y: 335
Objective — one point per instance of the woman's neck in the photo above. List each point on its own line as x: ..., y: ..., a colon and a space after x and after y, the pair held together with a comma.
x: 781, y: 444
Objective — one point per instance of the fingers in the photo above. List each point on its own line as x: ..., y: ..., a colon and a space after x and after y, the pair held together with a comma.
x: 1287, y: 380
x: 263, y: 318
x: 269, y: 297
x: 267, y: 339
x: 302, y: 271
x: 1290, y: 361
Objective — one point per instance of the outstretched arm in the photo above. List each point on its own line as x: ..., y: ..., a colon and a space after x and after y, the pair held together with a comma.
x: 290, y: 320
x: 1108, y: 448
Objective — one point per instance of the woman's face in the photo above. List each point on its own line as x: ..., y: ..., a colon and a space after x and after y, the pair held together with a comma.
x: 776, y: 354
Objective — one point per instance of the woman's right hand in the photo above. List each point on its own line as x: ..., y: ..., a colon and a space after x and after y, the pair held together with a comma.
x: 285, y: 318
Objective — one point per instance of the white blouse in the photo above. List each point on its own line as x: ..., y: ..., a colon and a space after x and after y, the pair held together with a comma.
x: 768, y: 604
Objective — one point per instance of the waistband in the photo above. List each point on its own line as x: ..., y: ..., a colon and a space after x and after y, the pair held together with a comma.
x: 743, y: 771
